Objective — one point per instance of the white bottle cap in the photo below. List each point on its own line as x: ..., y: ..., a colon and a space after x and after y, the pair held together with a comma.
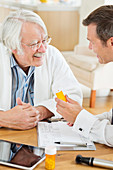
x: 50, y: 150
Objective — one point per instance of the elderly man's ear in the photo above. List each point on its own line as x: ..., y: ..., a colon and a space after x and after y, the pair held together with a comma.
x: 14, y: 51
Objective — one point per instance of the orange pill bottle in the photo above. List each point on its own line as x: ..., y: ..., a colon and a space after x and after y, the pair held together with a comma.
x: 50, y: 152
x: 61, y: 96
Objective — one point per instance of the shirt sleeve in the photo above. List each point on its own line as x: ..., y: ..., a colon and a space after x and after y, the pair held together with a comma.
x: 96, y: 128
x: 105, y: 115
x: 109, y: 134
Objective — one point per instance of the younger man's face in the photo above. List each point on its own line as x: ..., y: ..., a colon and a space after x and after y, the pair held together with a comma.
x: 104, y: 53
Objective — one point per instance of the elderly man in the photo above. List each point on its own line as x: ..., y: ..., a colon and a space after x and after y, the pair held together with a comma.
x: 31, y: 72
x: 100, y: 35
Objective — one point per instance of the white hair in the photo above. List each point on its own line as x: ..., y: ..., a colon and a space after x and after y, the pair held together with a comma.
x: 12, y: 25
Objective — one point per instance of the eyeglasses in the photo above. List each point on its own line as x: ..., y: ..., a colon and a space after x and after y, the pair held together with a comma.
x: 36, y: 45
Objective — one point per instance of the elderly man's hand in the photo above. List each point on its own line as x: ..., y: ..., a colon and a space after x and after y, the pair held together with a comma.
x: 23, y: 116
x: 42, y: 112
x: 69, y: 110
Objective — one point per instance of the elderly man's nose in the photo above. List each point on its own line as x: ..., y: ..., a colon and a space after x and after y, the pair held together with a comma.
x: 42, y: 48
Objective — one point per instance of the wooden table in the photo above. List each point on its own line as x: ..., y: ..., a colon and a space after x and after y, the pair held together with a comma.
x: 65, y: 160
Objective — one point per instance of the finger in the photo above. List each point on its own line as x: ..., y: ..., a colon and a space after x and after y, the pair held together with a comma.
x: 61, y: 111
x: 38, y: 117
x: 33, y: 120
x: 69, y: 124
x: 19, y: 101
x: 31, y: 125
x: 27, y: 106
x: 33, y: 113
x: 61, y: 102
x: 64, y: 108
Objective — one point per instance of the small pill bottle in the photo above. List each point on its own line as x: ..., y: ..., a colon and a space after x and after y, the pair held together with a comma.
x: 61, y: 96
x: 50, y: 152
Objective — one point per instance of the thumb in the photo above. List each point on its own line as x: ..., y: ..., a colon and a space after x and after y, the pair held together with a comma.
x: 19, y: 101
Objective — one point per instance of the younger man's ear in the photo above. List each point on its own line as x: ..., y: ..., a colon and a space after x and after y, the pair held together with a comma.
x: 110, y: 41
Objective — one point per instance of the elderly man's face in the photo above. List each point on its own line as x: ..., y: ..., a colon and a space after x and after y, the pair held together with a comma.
x: 32, y: 56
x: 104, y: 53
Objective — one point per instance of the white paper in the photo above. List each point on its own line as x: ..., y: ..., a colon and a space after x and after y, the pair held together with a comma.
x: 49, y: 133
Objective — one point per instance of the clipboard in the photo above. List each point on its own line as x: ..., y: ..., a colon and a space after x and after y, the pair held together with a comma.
x: 49, y: 133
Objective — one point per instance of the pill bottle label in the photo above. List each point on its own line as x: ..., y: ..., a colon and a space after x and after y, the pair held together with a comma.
x: 50, y: 162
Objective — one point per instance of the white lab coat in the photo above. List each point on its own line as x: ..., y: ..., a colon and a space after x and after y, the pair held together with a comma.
x: 52, y: 76
x: 97, y: 128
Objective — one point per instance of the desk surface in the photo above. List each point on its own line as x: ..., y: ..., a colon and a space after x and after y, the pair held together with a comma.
x: 64, y: 159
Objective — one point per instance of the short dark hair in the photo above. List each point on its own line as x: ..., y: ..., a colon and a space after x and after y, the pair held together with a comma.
x: 103, y: 18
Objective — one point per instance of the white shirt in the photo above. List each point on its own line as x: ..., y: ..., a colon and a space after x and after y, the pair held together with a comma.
x: 97, y: 128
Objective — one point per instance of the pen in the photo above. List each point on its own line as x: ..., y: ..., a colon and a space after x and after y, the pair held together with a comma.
x: 94, y: 161
x: 72, y: 143
x: 49, y: 120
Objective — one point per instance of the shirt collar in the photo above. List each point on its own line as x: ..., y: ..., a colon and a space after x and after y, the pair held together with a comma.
x: 13, y: 62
